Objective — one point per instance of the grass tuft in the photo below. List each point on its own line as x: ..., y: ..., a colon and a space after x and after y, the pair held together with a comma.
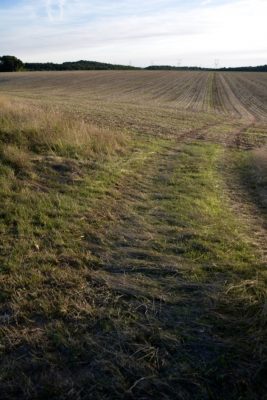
x: 17, y: 158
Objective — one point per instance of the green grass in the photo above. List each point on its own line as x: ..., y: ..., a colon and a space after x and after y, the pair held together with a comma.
x: 215, y: 236
x: 250, y: 169
x: 125, y: 270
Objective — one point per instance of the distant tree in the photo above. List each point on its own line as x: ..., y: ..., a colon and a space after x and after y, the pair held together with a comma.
x: 76, y: 66
x: 10, y: 64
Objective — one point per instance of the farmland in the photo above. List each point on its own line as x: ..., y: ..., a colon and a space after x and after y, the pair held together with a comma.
x: 133, y: 235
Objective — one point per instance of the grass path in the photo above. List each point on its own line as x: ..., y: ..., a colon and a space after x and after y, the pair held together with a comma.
x: 165, y: 287
x: 172, y: 276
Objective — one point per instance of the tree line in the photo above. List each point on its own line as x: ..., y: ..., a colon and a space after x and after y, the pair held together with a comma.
x: 81, y: 65
x: 13, y: 64
x: 259, y: 68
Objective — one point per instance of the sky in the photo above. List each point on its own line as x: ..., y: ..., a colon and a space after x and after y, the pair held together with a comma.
x: 141, y: 32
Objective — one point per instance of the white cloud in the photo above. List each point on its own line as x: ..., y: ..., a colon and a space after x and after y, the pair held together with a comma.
x: 55, y: 9
x: 206, y: 2
x: 234, y: 32
x: 61, y: 7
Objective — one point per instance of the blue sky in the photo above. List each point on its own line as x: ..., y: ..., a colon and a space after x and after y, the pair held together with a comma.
x: 141, y: 32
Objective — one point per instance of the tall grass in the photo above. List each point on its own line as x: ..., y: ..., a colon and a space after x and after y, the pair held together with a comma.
x: 42, y: 129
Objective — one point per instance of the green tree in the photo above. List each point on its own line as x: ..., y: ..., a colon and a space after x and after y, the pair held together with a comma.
x: 10, y: 64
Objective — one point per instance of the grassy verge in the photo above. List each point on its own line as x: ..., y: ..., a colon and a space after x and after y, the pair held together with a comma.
x: 124, y: 271
x: 54, y: 200
x: 49, y: 130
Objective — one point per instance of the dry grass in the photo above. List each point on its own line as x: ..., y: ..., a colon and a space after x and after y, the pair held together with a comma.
x: 19, y: 159
x: 49, y: 128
